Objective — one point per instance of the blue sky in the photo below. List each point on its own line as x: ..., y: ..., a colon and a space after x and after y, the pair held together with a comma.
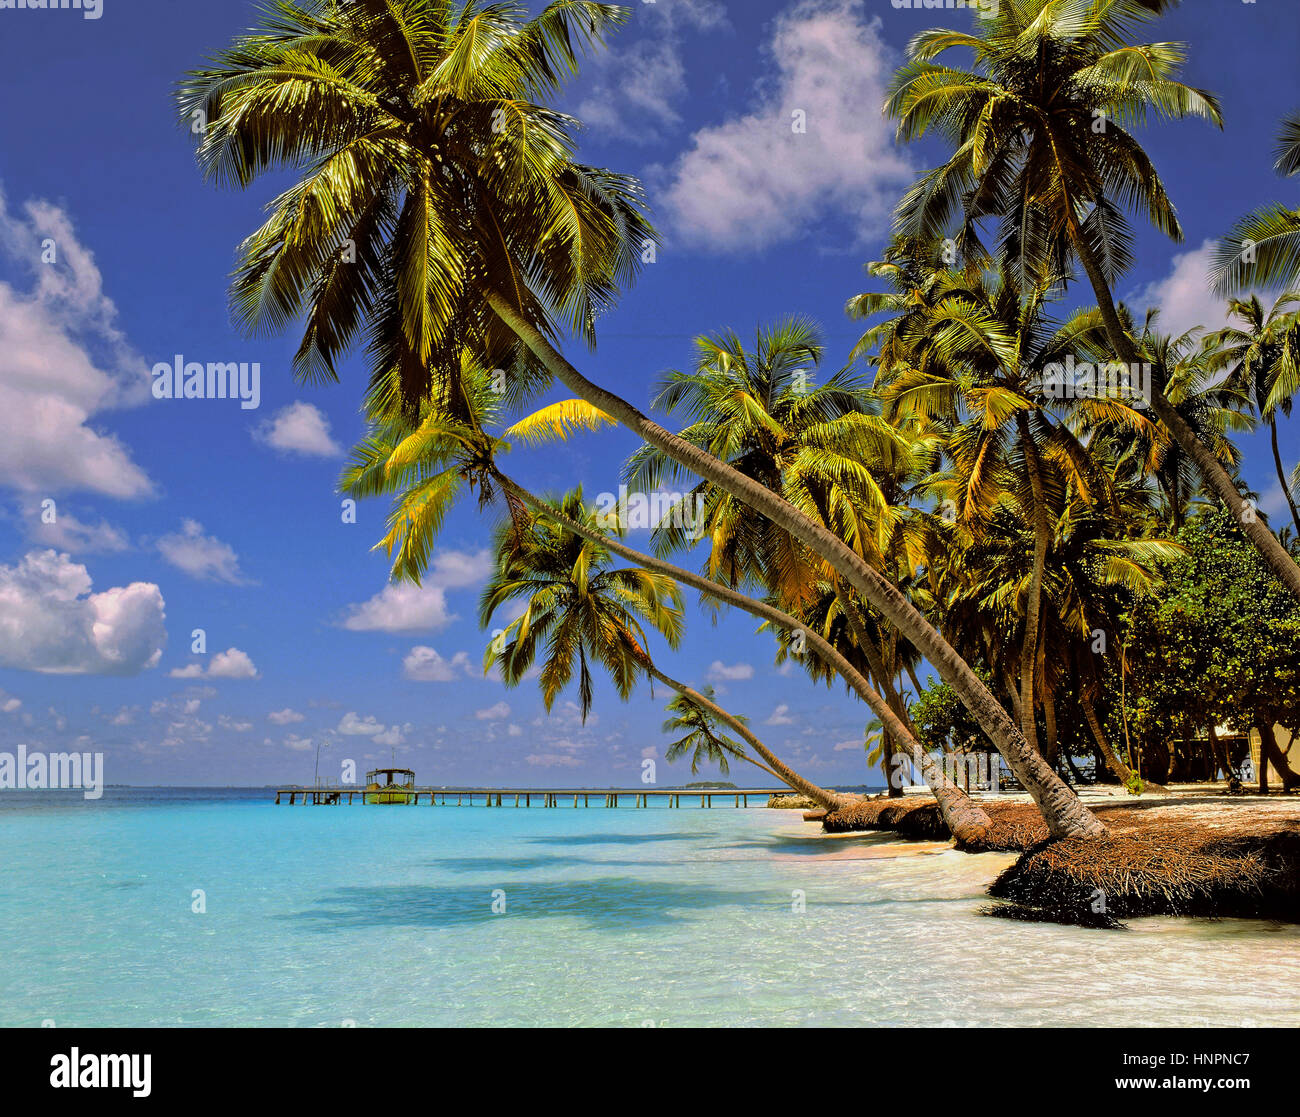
x: 174, y: 516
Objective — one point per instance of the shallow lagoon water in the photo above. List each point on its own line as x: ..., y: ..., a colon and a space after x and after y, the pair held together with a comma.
x: 384, y: 917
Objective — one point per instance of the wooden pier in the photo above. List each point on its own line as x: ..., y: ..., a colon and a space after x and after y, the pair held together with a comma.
x: 524, y: 797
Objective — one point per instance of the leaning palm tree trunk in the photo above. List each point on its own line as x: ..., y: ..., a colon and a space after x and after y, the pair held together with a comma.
x: 886, y: 682
x: 1281, y: 472
x: 1209, y: 467
x: 1064, y: 814
x: 831, y: 800
x: 966, y: 821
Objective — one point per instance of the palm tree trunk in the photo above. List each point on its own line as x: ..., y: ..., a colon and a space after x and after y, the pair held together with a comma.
x: 966, y: 821
x: 1281, y: 472
x: 1033, y: 607
x: 1209, y: 467
x: 1064, y: 814
x: 1049, y: 719
x: 831, y: 800
x: 1269, y: 753
x: 1121, y: 771
x: 884, y: 680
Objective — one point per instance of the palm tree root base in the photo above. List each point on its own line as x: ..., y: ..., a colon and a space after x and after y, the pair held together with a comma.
x: 1151, y: 862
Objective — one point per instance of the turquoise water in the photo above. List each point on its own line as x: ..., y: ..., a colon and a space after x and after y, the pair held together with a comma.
x: 384, y: 917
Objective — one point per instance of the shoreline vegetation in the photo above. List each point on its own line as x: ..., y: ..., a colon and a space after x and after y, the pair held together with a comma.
x: 1086, y: 571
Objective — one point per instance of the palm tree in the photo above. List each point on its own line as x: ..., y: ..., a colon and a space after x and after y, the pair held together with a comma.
x: 819, y: 444
x: 701, y: 739
x: 1263, y: 359
x: 972, y: 358
x: 1263, y: 248
x: 1041, y: 145
x: 433, y: 463
x: 440, y: 208
x: 579, y: 611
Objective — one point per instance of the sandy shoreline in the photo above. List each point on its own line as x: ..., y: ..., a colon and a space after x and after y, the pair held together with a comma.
x: 1193, y: 851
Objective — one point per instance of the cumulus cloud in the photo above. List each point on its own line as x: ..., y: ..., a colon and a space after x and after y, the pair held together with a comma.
x: 757, y: 179
x: 65, y: 363
x: 494, y: 712
x: 201, y: 556
x: 722, y: 672
x: 354, y: 726
x: 51, y: 622
x: 230, y: 664
x: 394, y: 735
x: 284, y: 717
x: 423, y: 664
x: 1184, y: 296
x: 404, y: 607
x: 780, y: 716
x: 300, y: 428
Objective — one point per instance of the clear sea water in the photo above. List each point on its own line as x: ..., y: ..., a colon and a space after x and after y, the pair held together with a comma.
x: 384, y: 917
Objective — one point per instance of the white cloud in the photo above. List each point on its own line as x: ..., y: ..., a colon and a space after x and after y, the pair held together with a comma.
x: 230, y: 664
x: 635, y: 89
x: 780, y: 716
x: 553, y: 760
x: 847, y: 746
x: 234, y: 726
x: 354, y: 726
x: 722, y: 672
x: 393, y: 736
x: 298, y: 744
x: 12, y: 705
x: 300, y: 428
x: 65, y: 362
x: 201, y: 556
x: 1184, y: 296
x: 284, y: 717
x: 493, y: 713
x: 753, y: 181
x: 423, y: 664
x: 404, y: 607
x: 51, y: 622
x: 68, y: 533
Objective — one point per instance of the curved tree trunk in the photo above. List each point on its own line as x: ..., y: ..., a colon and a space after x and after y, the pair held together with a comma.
x: 1121, y: 771
x: 1281, y: 472
x: 883, y: 679
x: 1209, y: 467
x: 1064, y: 814
x: 1269, y: 753
x: 966, y: 821
x: 831, y: 800
x: 1033, y: 607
